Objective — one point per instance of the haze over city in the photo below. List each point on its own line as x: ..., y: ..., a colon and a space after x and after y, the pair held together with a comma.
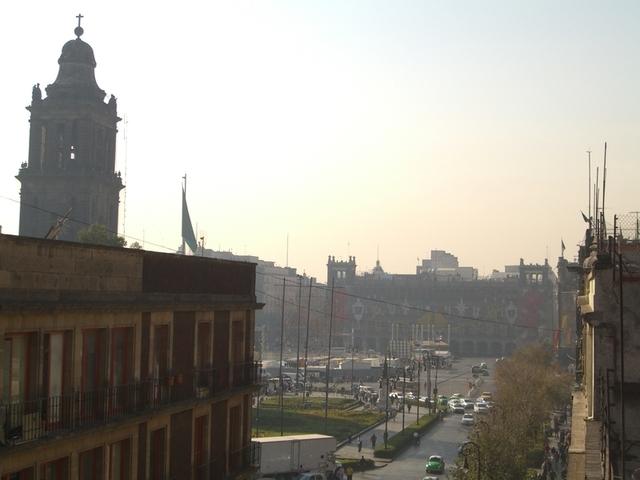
x: 349, y: 126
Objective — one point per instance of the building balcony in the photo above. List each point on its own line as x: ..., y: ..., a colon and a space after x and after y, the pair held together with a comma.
x: 24, y: 421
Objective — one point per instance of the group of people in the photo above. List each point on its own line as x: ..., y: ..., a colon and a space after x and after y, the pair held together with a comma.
x: 373, y: 439
x: 556, y: 449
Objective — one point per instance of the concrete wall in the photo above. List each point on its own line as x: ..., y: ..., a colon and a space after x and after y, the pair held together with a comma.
x: 33, y: 264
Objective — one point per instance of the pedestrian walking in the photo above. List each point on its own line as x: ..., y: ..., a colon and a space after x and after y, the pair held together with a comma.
x: 359, y: 445
x: 373, y: 441
x: 349, y: 473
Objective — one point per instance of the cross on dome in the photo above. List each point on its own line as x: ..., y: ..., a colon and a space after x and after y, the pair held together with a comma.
x: 79, y: 30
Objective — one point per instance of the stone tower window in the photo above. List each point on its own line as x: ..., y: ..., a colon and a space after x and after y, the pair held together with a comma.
x: 60, y: 139
x: 43, y: 144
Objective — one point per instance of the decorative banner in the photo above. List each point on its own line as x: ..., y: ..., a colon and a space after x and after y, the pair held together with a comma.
x: 358, y: 309
x: 511, y: 312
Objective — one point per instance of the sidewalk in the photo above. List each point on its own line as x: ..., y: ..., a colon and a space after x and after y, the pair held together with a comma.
x: 557, y: 464
x: 394, y: 426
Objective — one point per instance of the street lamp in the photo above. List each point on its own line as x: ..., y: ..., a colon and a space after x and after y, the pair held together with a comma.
x: 465, y: 466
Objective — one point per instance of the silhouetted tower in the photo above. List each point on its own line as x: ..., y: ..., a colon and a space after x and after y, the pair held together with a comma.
x: 72, y: 150
x: 342, y: 272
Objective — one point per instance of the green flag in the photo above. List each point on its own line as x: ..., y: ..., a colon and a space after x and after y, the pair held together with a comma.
x: 187, y: 229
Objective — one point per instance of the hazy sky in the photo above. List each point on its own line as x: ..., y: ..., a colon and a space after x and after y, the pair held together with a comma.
x: 412, y: 125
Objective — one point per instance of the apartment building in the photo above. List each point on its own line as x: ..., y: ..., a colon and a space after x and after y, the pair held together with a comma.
x: 124, y: 364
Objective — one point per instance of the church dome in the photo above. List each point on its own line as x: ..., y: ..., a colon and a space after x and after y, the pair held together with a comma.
x: 77, y: 51
x: 76, y: 75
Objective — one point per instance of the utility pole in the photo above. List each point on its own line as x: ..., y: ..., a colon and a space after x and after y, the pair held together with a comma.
x: 352, y: 354
x: 298, y: 343
x: 386, y: 408
x: 418, y: 408
x: 622, y: 419
x: 429, y: 397
x: 435, y: 387
x: 306, y: 342
x: 326, y: 394
x: 284, y: 284
x: 404, y: 391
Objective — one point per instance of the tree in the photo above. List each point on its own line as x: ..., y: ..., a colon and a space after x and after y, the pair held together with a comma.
x: 529, y: 386
x: 135, y: 246
x: 97, y: 234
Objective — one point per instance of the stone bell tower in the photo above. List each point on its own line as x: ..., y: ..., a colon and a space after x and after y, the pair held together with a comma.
x: 72, y: 150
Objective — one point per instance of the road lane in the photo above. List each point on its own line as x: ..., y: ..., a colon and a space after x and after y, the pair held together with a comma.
x: 443, y: 439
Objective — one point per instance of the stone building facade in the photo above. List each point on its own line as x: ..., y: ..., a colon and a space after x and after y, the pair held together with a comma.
x: 121, y: 364
x: 475, y: 316
x: 605, y: 430
x: 72, y: 151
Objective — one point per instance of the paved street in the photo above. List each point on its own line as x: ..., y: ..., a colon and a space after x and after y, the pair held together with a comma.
x: 443, y: 439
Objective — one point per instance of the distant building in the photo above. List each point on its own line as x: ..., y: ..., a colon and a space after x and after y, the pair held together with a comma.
x: 605, y: 428
x: 444, y: 265
x: 269, y: 291
x: 72, y: 150
x: 442, y: 301
x: 123, y: 363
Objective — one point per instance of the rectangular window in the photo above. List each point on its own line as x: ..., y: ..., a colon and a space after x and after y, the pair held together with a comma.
x: 204, y: 354
x: 93, y: 359
x: 161, y: 351
x: 121, y: 355
x: 157, y: 455
x: 91, y: 464
x: 120, y: 460
x: 200, y: 446
x: 160, y: 363
x: 25, y: 474
x: 20, y: 373
x: 56, y: 470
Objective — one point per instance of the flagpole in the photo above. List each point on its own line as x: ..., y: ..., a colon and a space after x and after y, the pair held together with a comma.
x: 184, y: 188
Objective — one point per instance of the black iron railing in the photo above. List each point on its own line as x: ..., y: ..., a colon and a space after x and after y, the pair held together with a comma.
x: 27, y: 420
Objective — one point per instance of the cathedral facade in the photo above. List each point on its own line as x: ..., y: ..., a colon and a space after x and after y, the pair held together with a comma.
x: 72, y: 148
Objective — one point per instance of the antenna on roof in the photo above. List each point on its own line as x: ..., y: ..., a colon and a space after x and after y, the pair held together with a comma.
x: 604, y: 189
x: 589, y: 153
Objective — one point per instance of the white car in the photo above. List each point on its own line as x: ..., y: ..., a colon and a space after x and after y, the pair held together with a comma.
x: 467, y: 419
x: 481, y: 407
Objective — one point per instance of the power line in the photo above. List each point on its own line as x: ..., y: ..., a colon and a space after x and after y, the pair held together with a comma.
x: 350, y: 295
x: 409, y: 307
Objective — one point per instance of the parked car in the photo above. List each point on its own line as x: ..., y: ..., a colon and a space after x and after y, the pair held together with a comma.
x: 468, y: 404
x: 486, y: 396
x: 458, y: 409
x: 467, y: 419
x: 435, y: 464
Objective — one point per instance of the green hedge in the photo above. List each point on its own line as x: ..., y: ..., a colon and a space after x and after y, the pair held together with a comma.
x: 356, y: 464
x: 535, y: 457
x: 401, y: 440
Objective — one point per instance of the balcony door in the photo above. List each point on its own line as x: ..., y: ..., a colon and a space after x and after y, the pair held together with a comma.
x: 121, y: 376
x: 94, y: 377
x: 57, y: 377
